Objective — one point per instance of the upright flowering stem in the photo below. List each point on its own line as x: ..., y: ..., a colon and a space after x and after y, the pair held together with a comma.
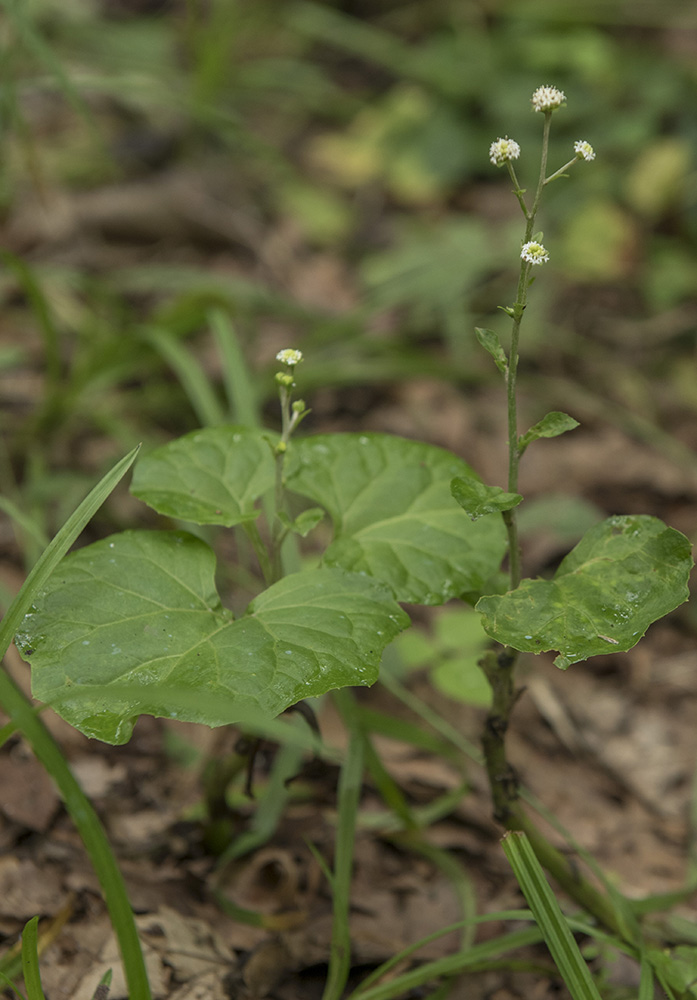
x: 499, y: 666
x: 527, y: 262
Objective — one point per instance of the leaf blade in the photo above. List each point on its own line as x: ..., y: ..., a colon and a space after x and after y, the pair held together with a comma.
x: 211, y: 476
x: 393, y: 514
x: 141, y: 609
x: 626, y: 573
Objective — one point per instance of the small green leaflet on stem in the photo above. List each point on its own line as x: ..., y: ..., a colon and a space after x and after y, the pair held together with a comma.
x: 491, y: 343
x: 477, y: 499
x: 552, y: 425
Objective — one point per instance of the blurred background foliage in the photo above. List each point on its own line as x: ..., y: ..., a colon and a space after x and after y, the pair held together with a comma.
x: 182, y: 178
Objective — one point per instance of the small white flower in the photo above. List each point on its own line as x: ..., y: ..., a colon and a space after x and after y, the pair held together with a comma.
x: 503, y: 150
x: 534, y: 253
x: 584, y: 150
x: 290, y: 357
x: 547, y: 99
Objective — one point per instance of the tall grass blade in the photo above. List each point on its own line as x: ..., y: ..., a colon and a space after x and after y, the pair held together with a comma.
x: 349, y: 794
x: 237, y: 379
x: 548, y: 915
x: 24, y: 716
x: 57, y: 548
x: 191, y: 375
x: 30, y: 960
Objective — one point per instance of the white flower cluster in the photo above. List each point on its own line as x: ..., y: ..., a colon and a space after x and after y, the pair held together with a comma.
x: 584, y: 150
x: 289, y: 357
x: 503, y: 150
x: 534, y: 253
x: 547, y: 99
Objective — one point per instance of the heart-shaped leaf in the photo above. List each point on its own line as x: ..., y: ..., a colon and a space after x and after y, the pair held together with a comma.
x: 140, y: 610
x: 394, y: 517
x: 211, y: 476
x: 624, y: 574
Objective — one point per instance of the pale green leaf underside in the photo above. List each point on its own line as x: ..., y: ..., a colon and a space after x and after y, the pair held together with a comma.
x: 393, y: 514
x: 626, y: 573
x: 140, y: 609
x: 211, y: 476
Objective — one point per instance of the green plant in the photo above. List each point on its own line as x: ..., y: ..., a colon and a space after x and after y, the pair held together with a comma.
x: 134, y: 624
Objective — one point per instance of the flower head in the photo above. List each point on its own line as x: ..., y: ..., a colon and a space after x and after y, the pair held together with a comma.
x: 503, y: 150
x: 289, y: 357
x: 534, y: 253
x: 547, y: 99
x: 584, y: 150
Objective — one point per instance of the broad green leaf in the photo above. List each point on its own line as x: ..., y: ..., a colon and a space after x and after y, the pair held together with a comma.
x: 211, y: 476
x: 491, y: 343
x: 552, y: 425
x: 394, y: 517
x: 624, y: 574
x: 140, y: 610
x: 476, y: 499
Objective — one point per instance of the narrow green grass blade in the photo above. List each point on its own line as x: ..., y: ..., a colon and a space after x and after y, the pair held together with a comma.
x: 23, y: 521
x: 102, y: 990
x: 349, y: 792
x: 193, y: 379
x: 39, y: 307
x: 57, y: 548
x: 9, y: 985
x: 646, y: 981
x: 404, y: 731
x: 386, y: 966
x: 549, y: 917
x: 389, y: 790
x: 30, y: 960
x: 237, y: 379
x: 477, y: 957
x: 17, y: 13
x: 623, y: 908
x: 89, y: 827
x: 269, y: 807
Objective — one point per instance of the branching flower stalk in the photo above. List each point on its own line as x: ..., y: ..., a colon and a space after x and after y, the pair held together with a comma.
x: 499, y: 667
